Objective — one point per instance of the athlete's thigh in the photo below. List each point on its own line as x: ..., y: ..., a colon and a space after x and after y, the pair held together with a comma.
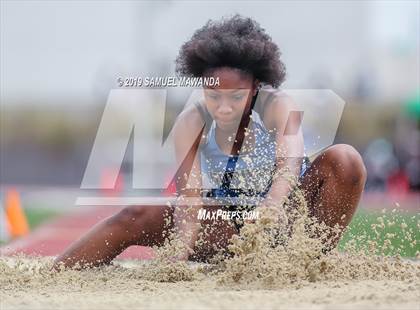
x: 151, y: 223
x: 312, y: 181
x: 214, y: 235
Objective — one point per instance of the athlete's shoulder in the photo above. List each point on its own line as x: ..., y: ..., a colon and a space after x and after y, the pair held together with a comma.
x: 276, y: 104
x: 271, y: 95
x: 189, y: 120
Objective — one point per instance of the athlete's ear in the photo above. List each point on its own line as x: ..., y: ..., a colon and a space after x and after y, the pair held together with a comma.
x: 256, y: 87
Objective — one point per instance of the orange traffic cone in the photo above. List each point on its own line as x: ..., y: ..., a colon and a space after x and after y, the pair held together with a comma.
x: 15, y: 215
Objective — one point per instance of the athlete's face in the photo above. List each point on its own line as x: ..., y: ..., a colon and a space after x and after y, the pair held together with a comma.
x: 231, y: 98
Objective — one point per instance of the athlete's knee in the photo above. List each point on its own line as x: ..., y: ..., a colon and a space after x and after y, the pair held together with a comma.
x: 129, y: 216
x: 347, y: 163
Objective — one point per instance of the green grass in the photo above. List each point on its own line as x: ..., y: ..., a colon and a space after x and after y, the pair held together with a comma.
x: 400, y: 228
x: 359, y: 232
x: 37, y: 216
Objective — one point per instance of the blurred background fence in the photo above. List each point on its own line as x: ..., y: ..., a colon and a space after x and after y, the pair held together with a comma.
x: 60, y: 59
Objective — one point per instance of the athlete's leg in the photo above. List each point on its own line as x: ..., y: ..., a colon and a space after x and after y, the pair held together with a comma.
x: 134, y: 225
x: 333, y: 185
x: 214, y: 236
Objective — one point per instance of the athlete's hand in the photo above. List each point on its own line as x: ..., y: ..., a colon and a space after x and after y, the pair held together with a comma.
x: 274, y: 209
x: 249, y: 221
x: 181, y: 257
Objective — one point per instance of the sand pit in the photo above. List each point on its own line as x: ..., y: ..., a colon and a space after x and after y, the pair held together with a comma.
x: 296, y: 275
x: 27, y: 284
x: 270, y: 266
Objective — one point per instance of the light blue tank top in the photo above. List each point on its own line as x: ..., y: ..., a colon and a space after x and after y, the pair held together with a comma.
x: 254, y: 167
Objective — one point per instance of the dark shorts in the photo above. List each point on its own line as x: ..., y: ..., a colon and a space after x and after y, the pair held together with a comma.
x: 238, y: 222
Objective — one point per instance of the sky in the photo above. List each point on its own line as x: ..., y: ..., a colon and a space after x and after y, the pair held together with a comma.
x: 52, y: 51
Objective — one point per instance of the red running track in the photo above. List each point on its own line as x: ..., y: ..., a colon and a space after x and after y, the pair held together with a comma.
x: 52, y: 238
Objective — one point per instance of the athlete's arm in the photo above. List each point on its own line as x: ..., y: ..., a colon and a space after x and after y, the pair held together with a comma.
x: 187, y: 137
x: 283, y: 116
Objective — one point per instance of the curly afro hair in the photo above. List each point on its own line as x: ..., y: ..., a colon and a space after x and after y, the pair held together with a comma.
x: 235, y: 42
